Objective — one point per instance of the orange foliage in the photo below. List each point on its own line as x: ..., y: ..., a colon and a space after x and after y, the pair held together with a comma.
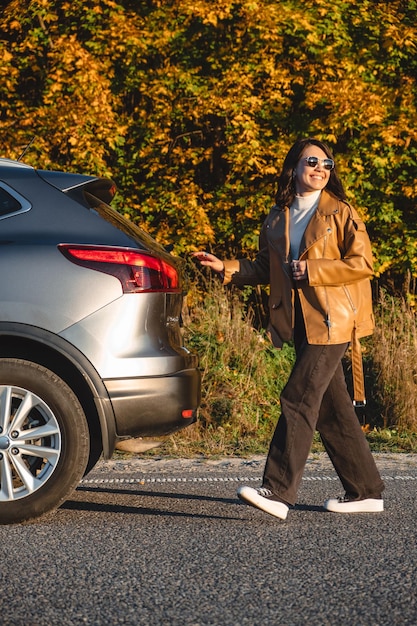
x: 191, y: 106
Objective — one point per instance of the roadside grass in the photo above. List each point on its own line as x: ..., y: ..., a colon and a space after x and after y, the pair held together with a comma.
x: 394, y: 357
x: 243, y: 375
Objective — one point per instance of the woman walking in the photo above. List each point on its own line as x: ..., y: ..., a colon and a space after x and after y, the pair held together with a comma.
x: 315, y: 254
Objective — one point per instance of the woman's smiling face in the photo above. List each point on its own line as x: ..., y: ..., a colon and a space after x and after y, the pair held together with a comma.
x: 310, y: 179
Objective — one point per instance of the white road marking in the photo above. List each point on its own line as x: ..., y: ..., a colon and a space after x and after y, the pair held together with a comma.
x: 211, y: 479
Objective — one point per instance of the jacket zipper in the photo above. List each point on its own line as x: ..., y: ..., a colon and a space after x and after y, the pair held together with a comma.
x: 327, y: 321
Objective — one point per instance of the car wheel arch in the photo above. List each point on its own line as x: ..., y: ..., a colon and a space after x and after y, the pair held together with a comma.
x: 61, y: 357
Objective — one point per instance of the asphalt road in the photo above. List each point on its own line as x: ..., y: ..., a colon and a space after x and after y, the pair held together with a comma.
x: 166, y: 542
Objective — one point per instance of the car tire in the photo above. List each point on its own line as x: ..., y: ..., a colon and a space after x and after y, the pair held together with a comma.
x: 44, y: 440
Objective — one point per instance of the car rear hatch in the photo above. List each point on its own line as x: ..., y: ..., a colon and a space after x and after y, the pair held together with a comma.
x: 95, y: 194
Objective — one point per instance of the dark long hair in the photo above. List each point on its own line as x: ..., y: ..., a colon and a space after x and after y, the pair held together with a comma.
x: 286, y: 187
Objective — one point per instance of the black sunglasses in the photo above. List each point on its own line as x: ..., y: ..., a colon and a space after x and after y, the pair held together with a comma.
x: 313, y: 161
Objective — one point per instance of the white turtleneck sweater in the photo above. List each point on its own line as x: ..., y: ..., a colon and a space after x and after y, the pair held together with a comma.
x: 301, y: 212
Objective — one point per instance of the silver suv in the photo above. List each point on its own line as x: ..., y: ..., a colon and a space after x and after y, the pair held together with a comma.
x: 91, y: 349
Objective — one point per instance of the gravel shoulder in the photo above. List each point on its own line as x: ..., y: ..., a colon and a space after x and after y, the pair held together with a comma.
x: 320, y: 462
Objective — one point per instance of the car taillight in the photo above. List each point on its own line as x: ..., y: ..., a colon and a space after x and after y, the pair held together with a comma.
x: 137, y: 271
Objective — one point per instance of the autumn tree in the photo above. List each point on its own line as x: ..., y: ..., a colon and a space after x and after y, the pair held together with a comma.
x: 191, y: 105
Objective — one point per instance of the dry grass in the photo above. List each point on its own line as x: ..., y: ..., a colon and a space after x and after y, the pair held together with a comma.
x: 243, y: 375
x: 394, y: 357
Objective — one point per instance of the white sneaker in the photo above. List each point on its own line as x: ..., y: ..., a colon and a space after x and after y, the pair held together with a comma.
x: 261, y: 498
x: 347, y: 505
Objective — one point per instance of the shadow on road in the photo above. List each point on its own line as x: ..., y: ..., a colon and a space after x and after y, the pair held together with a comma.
x: 103, y: 506
x: 97, y: 501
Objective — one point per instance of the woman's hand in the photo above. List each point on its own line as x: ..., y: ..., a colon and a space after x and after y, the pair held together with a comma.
x: 209, y: 260
x: 299, y: 270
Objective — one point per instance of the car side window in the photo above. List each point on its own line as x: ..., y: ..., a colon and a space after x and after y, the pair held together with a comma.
x: 11, y: 202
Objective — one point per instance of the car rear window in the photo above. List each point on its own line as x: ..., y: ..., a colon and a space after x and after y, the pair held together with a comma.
x: 130, y: 229
x: 11, y: 202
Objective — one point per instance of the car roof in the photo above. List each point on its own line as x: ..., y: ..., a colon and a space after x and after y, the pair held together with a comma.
x: 15, y: 164
x: 103, y: 188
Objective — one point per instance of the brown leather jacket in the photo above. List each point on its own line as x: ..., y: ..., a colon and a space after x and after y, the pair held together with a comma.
x: 336, y: 299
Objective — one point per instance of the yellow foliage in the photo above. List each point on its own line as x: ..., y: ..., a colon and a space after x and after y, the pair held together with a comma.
x: 191, y: 106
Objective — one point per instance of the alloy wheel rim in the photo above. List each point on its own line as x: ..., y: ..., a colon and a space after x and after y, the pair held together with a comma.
x: 30, y: 443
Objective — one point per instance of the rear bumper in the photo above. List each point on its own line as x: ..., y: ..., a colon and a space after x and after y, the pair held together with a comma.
x: 146, y: 407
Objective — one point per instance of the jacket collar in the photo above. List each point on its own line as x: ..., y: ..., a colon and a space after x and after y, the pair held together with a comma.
x: 328, y: 204
x: 318, y: 227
